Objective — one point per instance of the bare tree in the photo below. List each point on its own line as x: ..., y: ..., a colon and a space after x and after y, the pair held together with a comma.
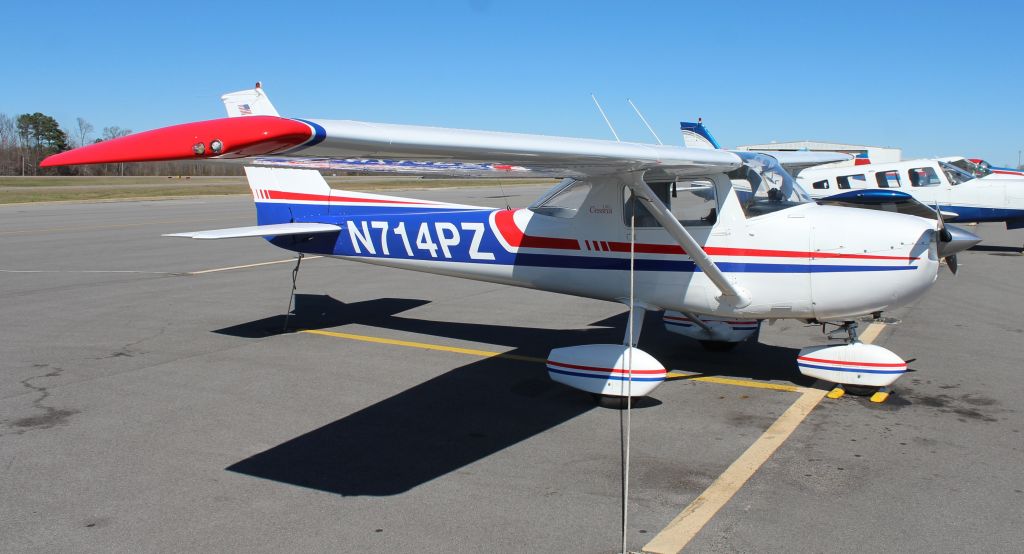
x: 84, y: 128
x: 115, y: 132
x: 9, y: 154
x: 8, y: 136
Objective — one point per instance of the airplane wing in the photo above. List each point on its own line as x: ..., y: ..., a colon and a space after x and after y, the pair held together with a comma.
x: 332, y: 144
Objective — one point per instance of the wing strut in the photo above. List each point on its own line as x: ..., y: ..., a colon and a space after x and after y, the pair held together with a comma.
x: 731, y: 293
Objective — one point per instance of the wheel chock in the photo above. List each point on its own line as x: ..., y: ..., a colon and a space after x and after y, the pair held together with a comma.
x: 881, y: 395
x: 837, y: 392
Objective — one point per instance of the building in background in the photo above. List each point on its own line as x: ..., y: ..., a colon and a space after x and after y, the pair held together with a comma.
x: 862, y: 154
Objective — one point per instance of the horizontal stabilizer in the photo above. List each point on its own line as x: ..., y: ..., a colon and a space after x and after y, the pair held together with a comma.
x: 278, y: 229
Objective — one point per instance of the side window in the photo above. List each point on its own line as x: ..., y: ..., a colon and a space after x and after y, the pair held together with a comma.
x: 820, y: 184
x: 924, y: 177
x: 693, y: 203
x: 852, y: 181
x: 888, y: 179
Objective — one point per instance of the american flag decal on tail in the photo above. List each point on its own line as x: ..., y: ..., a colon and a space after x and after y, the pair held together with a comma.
x: 244, y: 109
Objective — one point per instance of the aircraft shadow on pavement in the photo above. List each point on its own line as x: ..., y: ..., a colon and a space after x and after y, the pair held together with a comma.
x: 319, y: 311
x: 996, y: 249
x: 457, y: 418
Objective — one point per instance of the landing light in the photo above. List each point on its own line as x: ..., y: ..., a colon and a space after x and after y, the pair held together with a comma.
x: 199, y: 148
x: 216, y: 146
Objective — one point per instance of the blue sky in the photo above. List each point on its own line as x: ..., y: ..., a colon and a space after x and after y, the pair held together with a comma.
x: 932, y: 78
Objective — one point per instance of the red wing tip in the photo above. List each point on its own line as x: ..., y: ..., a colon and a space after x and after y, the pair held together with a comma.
x: 237, y: 137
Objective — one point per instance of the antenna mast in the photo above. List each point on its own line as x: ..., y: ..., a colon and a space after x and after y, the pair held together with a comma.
x: 609, y: 123
x: 644, y: 119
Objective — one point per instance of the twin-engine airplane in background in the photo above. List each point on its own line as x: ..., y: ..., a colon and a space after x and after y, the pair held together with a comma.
x: 964, y: 190
x: 663, y: 218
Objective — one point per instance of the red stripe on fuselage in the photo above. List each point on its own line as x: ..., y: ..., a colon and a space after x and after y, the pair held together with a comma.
x: 838, y: 362
x: 643, y: 248
x: 301, y: 196
x: 607, y: 370
x: 516, y: 238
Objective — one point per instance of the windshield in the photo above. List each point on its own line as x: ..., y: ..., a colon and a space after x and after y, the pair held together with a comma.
x: 978, y: 170
x: 562, y: 200
x: 955, y: 175
x: 771, y: 188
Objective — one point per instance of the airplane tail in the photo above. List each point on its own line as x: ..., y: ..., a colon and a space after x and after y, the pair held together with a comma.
x: 249, y: 102
x: 278, y: 192
x: 696, y: 135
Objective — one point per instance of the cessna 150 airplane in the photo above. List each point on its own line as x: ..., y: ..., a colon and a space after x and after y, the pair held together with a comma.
x: 663, y: 218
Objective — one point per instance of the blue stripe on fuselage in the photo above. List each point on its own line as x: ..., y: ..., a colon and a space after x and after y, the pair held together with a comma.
x: 395, y: 232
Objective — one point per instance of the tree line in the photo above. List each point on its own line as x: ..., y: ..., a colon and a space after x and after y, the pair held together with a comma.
x: 25, y: 140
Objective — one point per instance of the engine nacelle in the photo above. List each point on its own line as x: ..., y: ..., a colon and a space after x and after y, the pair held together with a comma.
x: 718, y: 328
x: 603, y: 369
x: 856, y: 363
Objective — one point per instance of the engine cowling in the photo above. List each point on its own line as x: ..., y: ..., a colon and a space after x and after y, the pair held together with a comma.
x: 604, y: 369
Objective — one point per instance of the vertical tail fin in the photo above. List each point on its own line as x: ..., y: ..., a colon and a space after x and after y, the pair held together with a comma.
x: 273, y: 188
x: 248, y: 102
x: 696, y: 135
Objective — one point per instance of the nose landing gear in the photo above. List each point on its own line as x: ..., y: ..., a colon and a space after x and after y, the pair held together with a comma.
x: 855, y: 365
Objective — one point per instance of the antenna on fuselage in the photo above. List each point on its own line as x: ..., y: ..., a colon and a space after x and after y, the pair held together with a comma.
x: 609, y: 123
x: 644, y: 119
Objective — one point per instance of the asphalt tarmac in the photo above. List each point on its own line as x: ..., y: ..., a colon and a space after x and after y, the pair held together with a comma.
x: 150, y: 402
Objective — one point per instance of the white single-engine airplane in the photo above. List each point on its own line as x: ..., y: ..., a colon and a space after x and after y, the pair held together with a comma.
x: 664, y: 218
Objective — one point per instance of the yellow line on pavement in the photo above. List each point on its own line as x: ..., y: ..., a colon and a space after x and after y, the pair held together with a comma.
x: 425, y: 346
x: 672, y: 375
x: 685, y: 526
x: 871, y: 332
x: 690, y: 521
x: 233, y: 267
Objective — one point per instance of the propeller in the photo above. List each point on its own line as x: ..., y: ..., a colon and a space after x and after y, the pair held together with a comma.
x: 951, y: 239
x: 944, y: 236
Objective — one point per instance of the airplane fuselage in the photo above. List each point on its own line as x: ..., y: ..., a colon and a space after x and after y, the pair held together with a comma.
x: 933, y: 182
x: 806, y: 261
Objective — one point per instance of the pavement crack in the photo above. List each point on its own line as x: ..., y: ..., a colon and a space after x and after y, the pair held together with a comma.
x: 49, y: 416
x: 128, y: 350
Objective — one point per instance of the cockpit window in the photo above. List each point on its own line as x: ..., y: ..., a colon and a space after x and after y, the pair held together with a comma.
x: 923, y: 177
x: 563, y: 200
x: 955, y: 175
x: 979, y: 170
x: 771, y: 187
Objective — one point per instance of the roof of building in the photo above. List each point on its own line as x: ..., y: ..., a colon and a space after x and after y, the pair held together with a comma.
x: 811, y: 145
